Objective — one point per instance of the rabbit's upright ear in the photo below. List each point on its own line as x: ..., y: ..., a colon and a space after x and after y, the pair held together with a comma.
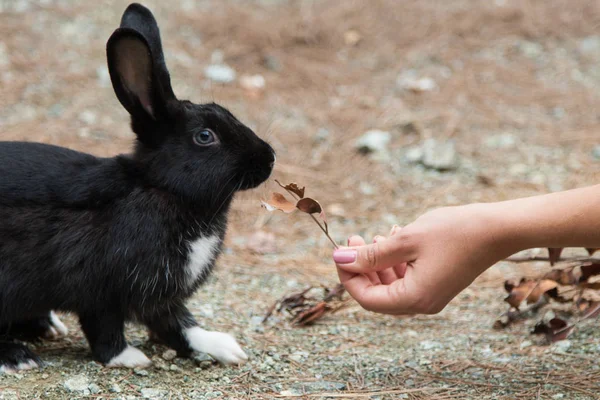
x: 137, y: 65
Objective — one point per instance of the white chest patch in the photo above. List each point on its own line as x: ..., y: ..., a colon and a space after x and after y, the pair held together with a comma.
x: 202, y: 251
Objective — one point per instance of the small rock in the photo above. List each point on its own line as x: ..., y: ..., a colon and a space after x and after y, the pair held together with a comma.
x: 78, y: 383
x: 217, y: 57
x: 558, y: 396
x: 526, y: 343
x: 440, y: 155
x: 322, y: 135
x: 252, y: 82
x: 299, y: 356
x: 590, y: 45
x: 174, y: 368
x: 151, y: 393
x: 518, y: 169
x: 300, y: 389
x: 336, y: 210
x: 88, y: 117
x: 203, y: 360
x: 562, y: 346
x: 140, y: 372
x: 414, y: 155
x: 501, y: 141
x: 366, y: 189
x: 206, y: 311
x: 352, y: 37
x: 4, y: 58
x: 169, y: 355
x: 220, y: 73
x: 417, y: 85
x: 375, y: 143
x: 531, y: 49
x: 45, y: 376
x: 94, y: 389
x: 116, y: 388
x: 103, y: 76
x: 430, y: 345
x: 596, y: 152
x: 271, y: 62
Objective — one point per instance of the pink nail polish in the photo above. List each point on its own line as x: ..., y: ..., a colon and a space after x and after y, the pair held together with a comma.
x: 344, y: 256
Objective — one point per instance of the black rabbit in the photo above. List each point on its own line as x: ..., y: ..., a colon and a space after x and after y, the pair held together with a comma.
x: 128, y: 238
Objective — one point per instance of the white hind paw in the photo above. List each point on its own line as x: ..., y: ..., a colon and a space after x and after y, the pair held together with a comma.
x: 13, y: 369
x: 221, y: 346
x: 57, y: 328
x: 130, y: 358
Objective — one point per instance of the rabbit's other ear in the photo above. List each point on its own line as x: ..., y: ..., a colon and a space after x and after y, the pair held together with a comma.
x: 137, y: 66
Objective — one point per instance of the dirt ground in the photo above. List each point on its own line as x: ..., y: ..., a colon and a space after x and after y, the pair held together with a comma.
x: 513, y: 84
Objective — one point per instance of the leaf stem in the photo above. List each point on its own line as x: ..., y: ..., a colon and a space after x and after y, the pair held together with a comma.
x: 325, y: 231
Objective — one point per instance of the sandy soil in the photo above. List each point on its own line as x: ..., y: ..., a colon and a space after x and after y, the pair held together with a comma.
x: 515, y: 89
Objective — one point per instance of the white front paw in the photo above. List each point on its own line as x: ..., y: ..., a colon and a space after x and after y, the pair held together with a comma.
x: 130, y: 358
x: 221, y: 346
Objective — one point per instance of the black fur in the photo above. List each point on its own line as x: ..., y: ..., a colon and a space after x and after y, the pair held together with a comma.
x: 108, y: 238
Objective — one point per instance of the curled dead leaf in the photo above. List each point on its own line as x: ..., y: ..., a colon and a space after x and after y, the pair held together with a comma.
x: 309, y: 206
x: 293, y: 187
x: 556, y: 329
x: 529, y: 291
x: 279, y: 202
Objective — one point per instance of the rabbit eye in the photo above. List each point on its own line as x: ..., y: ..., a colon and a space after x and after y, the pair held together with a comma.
x: 204, y: 137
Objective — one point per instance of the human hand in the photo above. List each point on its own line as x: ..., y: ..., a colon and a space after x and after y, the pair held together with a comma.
x: 418, y: 269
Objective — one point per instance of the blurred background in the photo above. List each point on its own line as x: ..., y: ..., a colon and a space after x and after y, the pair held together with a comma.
x: 383, y: 109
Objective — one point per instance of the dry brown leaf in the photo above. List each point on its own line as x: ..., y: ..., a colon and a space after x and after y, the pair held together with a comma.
x: 293, y: 187
x: 529, y: 290
x: 279, y: 202
x: 309, y: 206
x: 554, y: 255
x: 556, y: 329
x: 562, y: 276
x: 587, y: 271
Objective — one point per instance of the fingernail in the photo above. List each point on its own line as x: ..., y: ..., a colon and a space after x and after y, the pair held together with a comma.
x: 395, y: 229
x: 344, y: 256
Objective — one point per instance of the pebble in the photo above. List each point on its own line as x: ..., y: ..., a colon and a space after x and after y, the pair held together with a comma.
x: 78, y: 383
x: 116, y: 388
x: 300, y: 389
x: 501, y: 141
x: 526, y: 343
x: 590, y: 45
x: 220, y: 73
x: 151, y: 393
x: 414, y: 155
x: 88, y: 117
x: 174, y: 368
x: 140, y: 372
x: 440, y: 155
x: 252, y: 82
x: 375, y: 143
x: 94, y: 389
x: 103, y: 76
x: 562, y: 346
x: 424, y: 84
x: 272, y: 63
x: 596, y: 152
x: 169, y: 355
x: 430, y: 345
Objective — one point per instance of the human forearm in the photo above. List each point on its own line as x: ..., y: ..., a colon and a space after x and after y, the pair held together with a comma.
x: 564, y: 219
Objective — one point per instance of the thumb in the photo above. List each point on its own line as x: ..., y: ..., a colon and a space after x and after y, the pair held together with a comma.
x: 374, y: 257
